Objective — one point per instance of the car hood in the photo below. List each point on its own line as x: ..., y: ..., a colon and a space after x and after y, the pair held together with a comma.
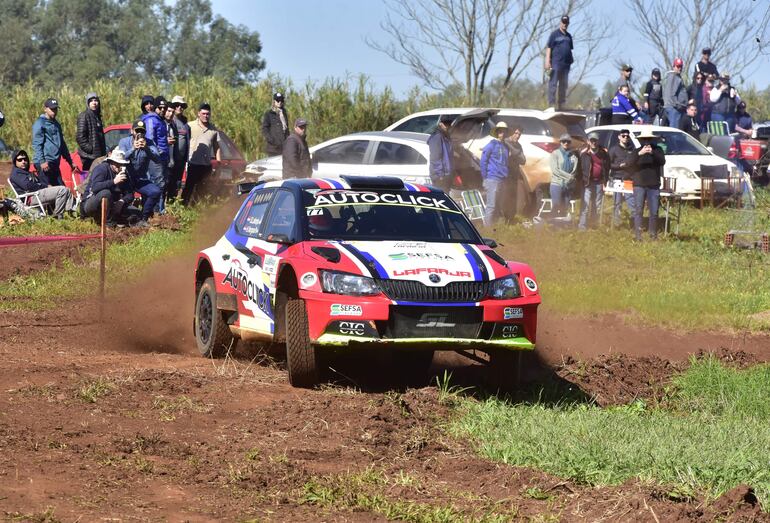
x: 433, y: 264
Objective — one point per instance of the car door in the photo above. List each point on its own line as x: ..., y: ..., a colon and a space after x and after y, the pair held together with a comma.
x: 399, y: 159
x: 248, y: 256
x: 343, y: 157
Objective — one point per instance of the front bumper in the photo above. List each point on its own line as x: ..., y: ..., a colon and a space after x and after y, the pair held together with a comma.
x: 340, y: 340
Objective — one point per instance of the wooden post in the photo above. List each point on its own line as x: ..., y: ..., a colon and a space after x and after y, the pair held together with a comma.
x: 103, y: 257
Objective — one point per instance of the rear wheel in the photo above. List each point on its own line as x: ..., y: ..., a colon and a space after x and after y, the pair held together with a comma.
x: 301, y: 357
x: 212, y: 335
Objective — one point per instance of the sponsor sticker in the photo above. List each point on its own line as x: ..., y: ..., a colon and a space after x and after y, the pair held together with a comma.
x: 432, y: 270
x: 341, y: 309
x: 513, y: 313
x: 428, y: 321
x: 333, y: 198
x: 270, y: 264
x: 510, y: 331
x: 352, y: 328
x: 530, y: 284
x: 404, y: 256
x: 410, y: 245
x: 308, y: 279
x: 238, y: 280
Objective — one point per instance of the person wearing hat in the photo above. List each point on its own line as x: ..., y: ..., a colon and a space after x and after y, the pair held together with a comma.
x: 441, y: 153
x: 653, y: 97
x: 558, y: 59
x: 625, y: 76
x: 48, y: 145
x: 24, y: 181
x: 674, y: 93
x: 494, y: 169
x: 564, y: 164
x: 744, y: 124
x: 620, y: 170
x: 724, y: 102
x: 90, y: 132
x: 181, y: 150
x: 705, y: 65
x: 296, y: 156
x: 141, y: 152
x: 647, y: 167
x: 108, y: 180
x: 204, y: 145
x: 160, y: 105
x: 157, y: 134
x: 275, y: 126
x: 623, y: 112
x: 595, y: 166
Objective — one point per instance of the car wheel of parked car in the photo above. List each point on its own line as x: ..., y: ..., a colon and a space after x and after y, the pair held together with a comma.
x: 212, y: 334
x: 301, y: 358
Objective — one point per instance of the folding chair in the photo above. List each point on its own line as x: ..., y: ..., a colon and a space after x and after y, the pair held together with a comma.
x: 717, y: 128
x: 473, y: 204
x: 30, y: 199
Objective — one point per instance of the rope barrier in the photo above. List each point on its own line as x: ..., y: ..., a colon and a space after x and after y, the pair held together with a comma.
x: 25, y: 240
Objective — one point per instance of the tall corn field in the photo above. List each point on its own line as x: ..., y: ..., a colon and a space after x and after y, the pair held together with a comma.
x: 332, y: 108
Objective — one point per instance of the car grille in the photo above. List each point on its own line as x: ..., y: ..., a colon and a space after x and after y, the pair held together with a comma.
x: 409, y: 321
x: 458, y: 291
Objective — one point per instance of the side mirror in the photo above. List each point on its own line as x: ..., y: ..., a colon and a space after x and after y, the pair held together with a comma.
x: 279, y: 238
x: 489, y: 242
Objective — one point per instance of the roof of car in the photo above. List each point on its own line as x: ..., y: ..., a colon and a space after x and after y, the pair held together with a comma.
x: 503, y: 111
x: 632, y: 128
x: 349, y: 184
x: 389, y: 135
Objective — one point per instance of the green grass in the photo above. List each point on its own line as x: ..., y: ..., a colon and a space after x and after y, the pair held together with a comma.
x: 691, y: 282
x: 710, y: 434
x: 46, y: 289
x: 50, y: 226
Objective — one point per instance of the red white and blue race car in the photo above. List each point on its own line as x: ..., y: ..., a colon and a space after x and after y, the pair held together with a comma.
x: 356, y: 262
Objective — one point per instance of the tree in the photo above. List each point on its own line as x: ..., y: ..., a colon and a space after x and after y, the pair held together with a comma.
x: 731, y: 28
x: 446, y: 42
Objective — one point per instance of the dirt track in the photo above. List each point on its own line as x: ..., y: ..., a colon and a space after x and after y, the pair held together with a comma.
x: 170, y: 436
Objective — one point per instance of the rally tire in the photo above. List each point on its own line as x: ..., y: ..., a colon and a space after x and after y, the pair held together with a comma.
x: 301, y: 357
x: 212, y: 335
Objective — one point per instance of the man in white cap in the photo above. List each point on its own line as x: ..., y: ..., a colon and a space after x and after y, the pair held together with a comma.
x: 108, y: 180
x: 181, y: 148
x: 647, y: 166
x: 494, y: 169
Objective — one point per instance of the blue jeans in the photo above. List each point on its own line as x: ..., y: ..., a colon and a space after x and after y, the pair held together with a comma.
x: 560, y: 77
x: 158, y: 173
x: 673, y: 116
x: 593, y: 195
x: 652, y: 195
x: 618, y: 204
x: 150, y: 196
x: 559, y: 199
x: 491, y: 187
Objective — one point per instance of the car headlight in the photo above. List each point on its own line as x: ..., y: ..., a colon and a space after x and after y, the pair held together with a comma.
x: 682, y: 172
x: 348, y: 284
x: 505, y: 288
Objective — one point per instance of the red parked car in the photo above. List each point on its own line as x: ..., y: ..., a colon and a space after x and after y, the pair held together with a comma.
x: 229, y: 167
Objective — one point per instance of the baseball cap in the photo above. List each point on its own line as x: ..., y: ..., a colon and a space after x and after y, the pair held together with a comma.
x: 178, y: 100
x: 565, y: 138
x: 278, y: 97
x: 300, y: 122
x: 624, y: 131
x: 627, y: 67
x: 160, y: 100
x: 656, y: 71
x: 593, y: 135
x: 678, y: 62
x: 139, y: 127
x: 565, y: 19
x: 51, y: 103
x: 205, y: 106
x: 446, y: 118
x: 706, y: 50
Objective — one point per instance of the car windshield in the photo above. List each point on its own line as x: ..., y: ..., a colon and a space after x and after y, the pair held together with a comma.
x: 679, y: 144
x: 385, y: 215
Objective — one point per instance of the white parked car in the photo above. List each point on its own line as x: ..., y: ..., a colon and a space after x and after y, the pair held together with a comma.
x: 684, y: 154
x: 540, y: 136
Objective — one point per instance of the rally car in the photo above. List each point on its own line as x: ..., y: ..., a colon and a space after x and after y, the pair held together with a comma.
x: 359, y: 262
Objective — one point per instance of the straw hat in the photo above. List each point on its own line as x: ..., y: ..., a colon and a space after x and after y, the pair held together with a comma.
x: 118, y: 156
x: 646, y: 134
x: 499, y: 125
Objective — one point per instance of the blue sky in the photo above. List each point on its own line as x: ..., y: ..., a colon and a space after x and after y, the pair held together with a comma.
x: 315, y: 39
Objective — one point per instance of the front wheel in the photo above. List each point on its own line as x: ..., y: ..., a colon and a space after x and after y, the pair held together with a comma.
x: 212, y: 334
x: 301, y: 358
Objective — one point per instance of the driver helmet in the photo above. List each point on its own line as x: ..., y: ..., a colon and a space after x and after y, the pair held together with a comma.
x: 321, y: 224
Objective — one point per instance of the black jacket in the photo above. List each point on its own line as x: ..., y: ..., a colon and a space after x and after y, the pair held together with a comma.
x: 585, y: 164
x: 90, y: 134
x: 273, y: 131
x: 690, y: 126
x: 648, y: 168
x: 25, y: 181
x: 101, y: 178
x: 516, y: 158
x: 618, y: 157
x: 296, y: 158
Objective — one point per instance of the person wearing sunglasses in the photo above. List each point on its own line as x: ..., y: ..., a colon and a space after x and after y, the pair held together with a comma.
x: 181, y: 149
x: 620, y: 170
x: 564, y: 164
x: 25, y: 181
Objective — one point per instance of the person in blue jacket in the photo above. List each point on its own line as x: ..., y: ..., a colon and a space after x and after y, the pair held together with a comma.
x: 48, y: 145
x: 141, y: 152
x: 623, y: 111
x: 157, y: 133
x: 440, y: 148
x: 494, y: 169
